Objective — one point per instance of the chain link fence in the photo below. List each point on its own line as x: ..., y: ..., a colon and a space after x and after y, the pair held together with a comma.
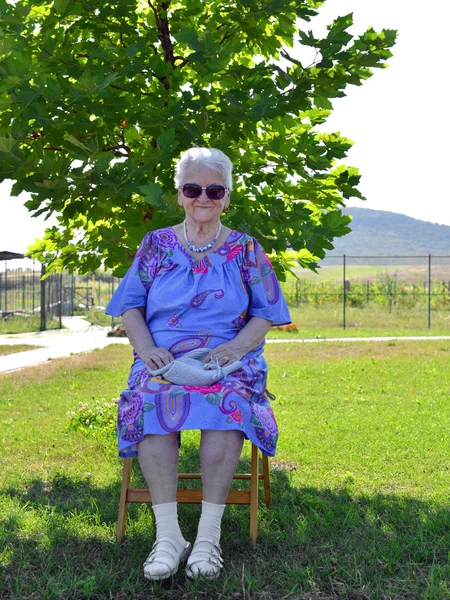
x: 395, y: 292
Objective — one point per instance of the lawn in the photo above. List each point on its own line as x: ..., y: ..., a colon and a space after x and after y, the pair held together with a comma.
x: 12, y: 349
x: 24, y: 324
x: 360, y: 483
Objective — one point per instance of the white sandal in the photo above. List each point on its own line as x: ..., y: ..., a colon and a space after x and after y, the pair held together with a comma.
x: 205, y: 562
x: 166, y: 555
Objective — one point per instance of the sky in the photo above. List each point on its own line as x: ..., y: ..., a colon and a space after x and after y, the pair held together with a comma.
x: 399, y: 119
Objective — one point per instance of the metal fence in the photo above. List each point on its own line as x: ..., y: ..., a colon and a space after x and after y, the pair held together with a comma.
x: 27, y: 292
x: 410, y: 292
x: 402, y: 292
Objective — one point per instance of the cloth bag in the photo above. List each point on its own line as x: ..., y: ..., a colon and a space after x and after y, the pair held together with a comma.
x: 190, y: 369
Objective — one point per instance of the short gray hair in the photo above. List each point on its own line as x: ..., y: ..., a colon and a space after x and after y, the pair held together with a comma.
x: 209, y: 158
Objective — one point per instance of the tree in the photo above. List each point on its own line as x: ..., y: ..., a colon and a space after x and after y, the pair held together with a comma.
x: 98, y: 98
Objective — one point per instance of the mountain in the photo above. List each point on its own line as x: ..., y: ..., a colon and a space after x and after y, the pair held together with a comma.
x: 383, y: 233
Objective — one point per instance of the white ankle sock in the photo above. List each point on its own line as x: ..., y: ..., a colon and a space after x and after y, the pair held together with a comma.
x: 210, y: 521
x: 205, y: 559
x: 166, y: 517
x: 170, y: 546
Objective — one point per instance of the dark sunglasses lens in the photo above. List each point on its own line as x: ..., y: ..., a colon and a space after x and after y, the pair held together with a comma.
x: 215, y: 192
x: 190, y: 190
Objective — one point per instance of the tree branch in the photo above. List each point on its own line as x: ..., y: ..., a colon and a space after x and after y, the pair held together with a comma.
x: 163, y: 30
x: 185, y: 61
x: 118, y: 150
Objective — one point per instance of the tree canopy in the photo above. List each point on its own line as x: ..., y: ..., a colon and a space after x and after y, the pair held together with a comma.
x: 98, y: 98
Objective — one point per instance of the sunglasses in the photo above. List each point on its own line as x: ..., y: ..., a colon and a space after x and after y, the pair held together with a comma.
x: 214, y: 192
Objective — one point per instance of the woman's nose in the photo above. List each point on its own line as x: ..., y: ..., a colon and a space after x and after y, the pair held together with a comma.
x: 203, y: 196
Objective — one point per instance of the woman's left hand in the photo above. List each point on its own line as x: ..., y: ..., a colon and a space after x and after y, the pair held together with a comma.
x: 226, y: 353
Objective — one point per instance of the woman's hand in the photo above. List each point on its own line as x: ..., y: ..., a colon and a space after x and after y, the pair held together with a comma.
x: 155, y: 357
x: 226, y: 353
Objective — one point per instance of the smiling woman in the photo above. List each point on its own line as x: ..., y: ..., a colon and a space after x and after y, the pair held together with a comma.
x: 197, y: 285
x: 203, y: 179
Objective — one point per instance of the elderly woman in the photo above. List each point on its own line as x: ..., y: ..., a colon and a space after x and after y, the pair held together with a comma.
x: 198, y: 284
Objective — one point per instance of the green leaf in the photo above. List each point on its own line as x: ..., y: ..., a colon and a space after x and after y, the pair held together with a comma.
x: 187, y: 36
x: 73, y: 140
x: 6, y: 145
x: 152, y: 193
x: 167, y: 140
x: 61, y: 5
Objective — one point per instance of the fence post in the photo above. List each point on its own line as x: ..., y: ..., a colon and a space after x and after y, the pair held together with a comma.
x: 72, y: 295
x: 345, y: 295
x: 60, y: 299
x: 6, y: 287
x: 43, y: 309
x: 429, y: 291
x: 32, y: 288
x: 23, y: 292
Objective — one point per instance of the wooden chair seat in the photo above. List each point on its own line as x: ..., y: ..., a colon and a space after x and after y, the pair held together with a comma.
x: 128, y: 494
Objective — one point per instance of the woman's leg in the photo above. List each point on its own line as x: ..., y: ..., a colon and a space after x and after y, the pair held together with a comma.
x: 219, y: 456
x: 158, y: 457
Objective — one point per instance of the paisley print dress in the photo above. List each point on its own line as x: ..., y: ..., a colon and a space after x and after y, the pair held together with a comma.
x: 191, y: 305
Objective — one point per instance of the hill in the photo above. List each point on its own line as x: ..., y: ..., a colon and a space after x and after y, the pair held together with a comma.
x: 383, y: 233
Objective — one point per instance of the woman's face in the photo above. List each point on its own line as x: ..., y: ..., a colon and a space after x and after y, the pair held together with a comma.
x: 202, y: 209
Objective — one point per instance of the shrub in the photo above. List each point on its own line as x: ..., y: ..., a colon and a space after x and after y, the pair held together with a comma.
x: 98, y: 417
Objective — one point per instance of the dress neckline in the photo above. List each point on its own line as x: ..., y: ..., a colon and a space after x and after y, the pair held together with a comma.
x: 219, y: 250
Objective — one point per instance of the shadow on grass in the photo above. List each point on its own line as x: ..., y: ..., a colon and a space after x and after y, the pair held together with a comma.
x: 57, y: 541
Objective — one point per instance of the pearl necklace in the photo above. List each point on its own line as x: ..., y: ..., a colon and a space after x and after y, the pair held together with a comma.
x: 201, y: 248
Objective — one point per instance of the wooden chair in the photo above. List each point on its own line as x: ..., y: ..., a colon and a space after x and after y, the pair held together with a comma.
x: 128, y: 494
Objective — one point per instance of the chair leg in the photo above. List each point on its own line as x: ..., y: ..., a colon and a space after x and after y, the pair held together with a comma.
x: 266, y: 473
x: 123, y: 504
x: 254, y: 494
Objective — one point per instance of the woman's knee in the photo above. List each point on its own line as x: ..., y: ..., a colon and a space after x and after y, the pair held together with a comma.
x: 217, y: 446
x: 158, y: 445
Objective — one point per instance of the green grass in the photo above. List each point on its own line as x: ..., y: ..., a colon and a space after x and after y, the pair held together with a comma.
x: 406, y: 272
x: 327, y: 321
x: 360, y: 483
x: 4, y: 350
x: 25, y: 324
x: 98, y: 317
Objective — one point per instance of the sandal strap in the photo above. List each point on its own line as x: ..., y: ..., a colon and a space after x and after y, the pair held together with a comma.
x: 159, y: 553
x: 211, y: 555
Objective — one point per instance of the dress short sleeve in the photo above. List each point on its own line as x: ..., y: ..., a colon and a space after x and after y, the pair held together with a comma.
x: 266, y: 299
x: 133, y: 289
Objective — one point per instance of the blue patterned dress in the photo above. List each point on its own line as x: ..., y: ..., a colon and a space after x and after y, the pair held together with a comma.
x: 194, y: 305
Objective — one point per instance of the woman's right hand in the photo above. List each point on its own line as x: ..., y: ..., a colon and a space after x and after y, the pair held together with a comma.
x: 155, y: 357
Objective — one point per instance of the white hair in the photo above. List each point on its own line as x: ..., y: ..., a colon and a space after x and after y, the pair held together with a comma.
x: 208, y: 158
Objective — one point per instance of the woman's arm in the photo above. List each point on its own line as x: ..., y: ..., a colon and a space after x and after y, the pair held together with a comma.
x: 141, y: 339
x: 249, y: 337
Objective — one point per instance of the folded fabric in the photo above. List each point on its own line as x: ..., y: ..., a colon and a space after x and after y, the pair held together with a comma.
x: 190, y: 369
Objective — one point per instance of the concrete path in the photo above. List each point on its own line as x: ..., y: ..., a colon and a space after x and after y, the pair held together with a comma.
x: 78, y: 336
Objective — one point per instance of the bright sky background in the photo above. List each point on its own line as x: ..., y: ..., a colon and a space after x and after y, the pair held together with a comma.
x: 399, y: 119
